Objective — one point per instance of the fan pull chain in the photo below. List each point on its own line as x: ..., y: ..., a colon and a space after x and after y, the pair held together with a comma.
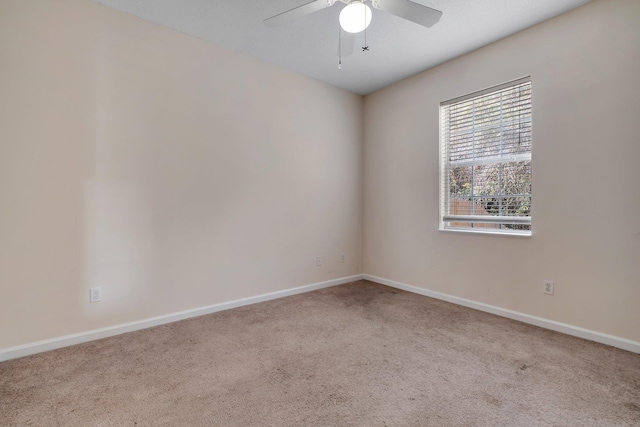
x: 365, y: 48
x: 339, y: 48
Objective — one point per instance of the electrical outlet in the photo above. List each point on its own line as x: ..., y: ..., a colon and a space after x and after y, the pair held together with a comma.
x: 95, y: 294
x: 548, y: 287
x: 341, y: 257
x: 318, y: 261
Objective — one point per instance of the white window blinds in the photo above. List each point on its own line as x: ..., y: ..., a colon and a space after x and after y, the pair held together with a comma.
x: 486, y: 160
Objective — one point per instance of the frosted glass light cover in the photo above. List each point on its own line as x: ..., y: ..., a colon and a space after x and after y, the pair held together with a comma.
x: 355, y: 17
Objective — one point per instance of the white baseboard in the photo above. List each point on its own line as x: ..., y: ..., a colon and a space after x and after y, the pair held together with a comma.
x: 575, y: 331
x: 67, y: 340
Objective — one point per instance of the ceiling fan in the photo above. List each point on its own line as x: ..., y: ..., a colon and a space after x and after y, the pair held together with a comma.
x: 356, y: 15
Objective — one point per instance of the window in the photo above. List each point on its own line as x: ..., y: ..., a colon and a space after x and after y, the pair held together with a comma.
x: 485, y: 160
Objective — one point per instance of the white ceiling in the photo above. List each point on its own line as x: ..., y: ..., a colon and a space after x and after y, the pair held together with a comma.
x: 309, y: 46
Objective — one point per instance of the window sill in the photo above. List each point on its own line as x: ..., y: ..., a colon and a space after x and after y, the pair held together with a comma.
x: 487, y: 232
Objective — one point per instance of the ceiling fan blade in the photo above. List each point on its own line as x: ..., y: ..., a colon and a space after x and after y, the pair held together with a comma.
x: 409, y: 10
x: 297, y: 12
x: 347, y: 42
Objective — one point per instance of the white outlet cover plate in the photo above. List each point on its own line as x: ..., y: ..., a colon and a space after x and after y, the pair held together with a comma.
x: 95, y: 294
x: 548, y: 287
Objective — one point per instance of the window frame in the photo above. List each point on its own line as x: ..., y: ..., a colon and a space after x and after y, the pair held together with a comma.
x: 445, y: 168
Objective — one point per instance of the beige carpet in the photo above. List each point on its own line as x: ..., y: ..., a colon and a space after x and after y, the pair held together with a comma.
x: 360, y: 354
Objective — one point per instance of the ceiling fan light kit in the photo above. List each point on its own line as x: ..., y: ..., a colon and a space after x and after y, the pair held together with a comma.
x: 355, y: 17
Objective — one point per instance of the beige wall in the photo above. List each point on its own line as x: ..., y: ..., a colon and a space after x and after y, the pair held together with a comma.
x: 171, y: 172
x: 585, y: 67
